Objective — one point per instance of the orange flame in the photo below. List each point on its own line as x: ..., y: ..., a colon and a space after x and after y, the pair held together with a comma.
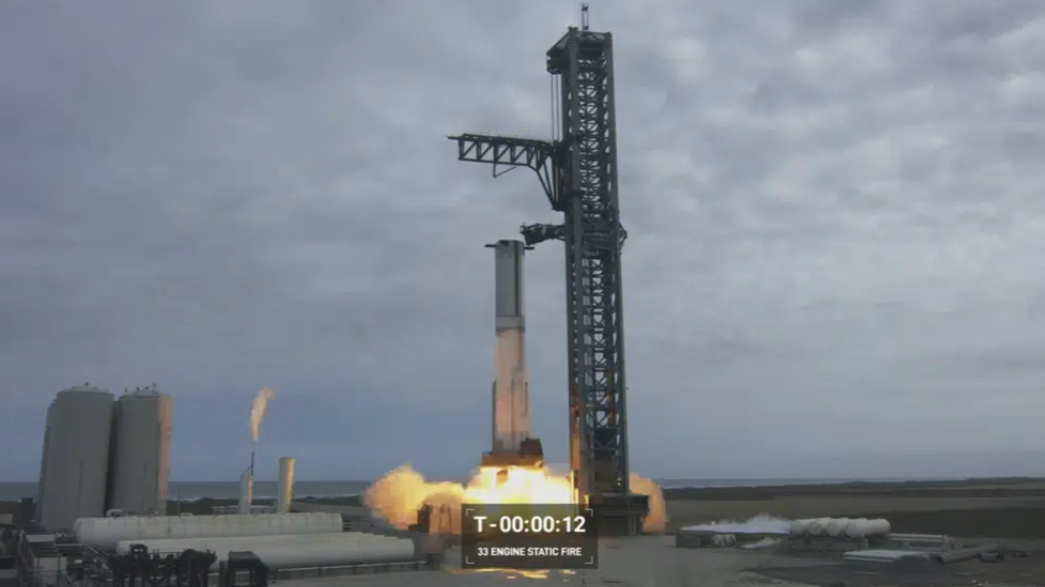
x: 398, y: 496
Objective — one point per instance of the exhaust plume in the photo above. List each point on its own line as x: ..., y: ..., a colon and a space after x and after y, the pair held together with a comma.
x: 760, y: 524
x: 257, y: 411
x: 657, y: 519
x: 398, y: 495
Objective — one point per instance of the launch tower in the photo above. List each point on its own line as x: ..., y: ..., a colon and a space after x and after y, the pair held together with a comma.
x: 578, y: 171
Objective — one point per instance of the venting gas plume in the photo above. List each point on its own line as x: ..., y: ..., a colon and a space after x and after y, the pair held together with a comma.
x: 257, y: 411
x: 657, y: 519
x: 760, y: 524
x: 397, y: 496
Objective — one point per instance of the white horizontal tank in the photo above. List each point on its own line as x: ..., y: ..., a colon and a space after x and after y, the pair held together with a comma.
x: 285, y: 552
x: 105, y: 533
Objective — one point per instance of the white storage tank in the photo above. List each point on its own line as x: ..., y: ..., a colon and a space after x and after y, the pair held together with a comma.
x: 105, y: 533
x: 75, y: 464
x: 286, y: 485
x: 285, y: 552
x: 141, y: 452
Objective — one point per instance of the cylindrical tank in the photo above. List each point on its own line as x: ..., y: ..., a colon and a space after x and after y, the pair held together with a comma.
x: 105, y: 533
x: 286, y: 485
x: 246, y: 491
x: 75, y: 465
x: 282, y: 552
x: 141, y: 452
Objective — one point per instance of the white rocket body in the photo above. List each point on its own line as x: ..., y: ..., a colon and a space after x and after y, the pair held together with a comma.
x: 511, y: 388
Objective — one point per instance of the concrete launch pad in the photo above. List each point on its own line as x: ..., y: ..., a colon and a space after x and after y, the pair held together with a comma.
x: 654, y: 561
x: 643, y: 561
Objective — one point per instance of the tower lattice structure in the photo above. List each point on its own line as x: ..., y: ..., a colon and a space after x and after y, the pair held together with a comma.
x: 578, y: 171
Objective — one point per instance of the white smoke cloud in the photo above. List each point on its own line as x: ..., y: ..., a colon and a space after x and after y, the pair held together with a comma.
x: 257, y: 411
x: 760, y: 524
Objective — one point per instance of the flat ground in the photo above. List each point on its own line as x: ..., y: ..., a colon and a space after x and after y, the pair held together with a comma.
x: 1010, y: 511
x: 1013, y: 508
x: 648, y: 561
x: 654, y: 561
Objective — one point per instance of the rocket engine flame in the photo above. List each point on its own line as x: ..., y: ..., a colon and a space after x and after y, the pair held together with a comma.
x: 398, y: 495
x: 257, y: 410
x: 657, y: 519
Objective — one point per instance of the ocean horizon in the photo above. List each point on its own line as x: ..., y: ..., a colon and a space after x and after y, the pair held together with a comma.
x: 194, y: 490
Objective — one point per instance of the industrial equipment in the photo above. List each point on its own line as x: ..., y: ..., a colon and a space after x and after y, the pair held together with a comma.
x: 229, y: 569
x: 578, y: 171
x: 331, y: 549
x: 141, y: 451
x: 140, y: 567
x: 74, y: 470
x: 286, y: 485
x: 108, y: 533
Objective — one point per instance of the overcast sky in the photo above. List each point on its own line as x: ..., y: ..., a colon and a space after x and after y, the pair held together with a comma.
x: 836, y: 262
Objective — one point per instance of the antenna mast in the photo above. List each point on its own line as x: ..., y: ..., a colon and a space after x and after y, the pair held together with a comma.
x: 584, y: 17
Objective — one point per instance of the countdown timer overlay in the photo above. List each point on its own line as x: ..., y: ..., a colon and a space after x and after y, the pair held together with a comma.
x: 528, y: 536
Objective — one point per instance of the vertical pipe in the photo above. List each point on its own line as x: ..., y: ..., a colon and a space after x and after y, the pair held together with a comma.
x: 286, y: 485
x: 246, y: 491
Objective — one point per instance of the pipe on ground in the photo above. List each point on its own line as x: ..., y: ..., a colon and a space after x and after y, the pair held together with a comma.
x: 954, y: 556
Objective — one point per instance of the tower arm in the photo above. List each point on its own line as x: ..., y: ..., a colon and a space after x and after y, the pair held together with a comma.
x: 538, y: 233
x: 513, y: 152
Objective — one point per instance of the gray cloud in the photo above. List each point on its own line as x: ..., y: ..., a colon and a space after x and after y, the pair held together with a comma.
x: 834, y: 211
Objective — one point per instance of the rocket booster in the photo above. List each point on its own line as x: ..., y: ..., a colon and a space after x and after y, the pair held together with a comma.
x: 511, y: 387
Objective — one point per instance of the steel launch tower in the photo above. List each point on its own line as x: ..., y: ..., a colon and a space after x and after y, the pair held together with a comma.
x: 578, y: 171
